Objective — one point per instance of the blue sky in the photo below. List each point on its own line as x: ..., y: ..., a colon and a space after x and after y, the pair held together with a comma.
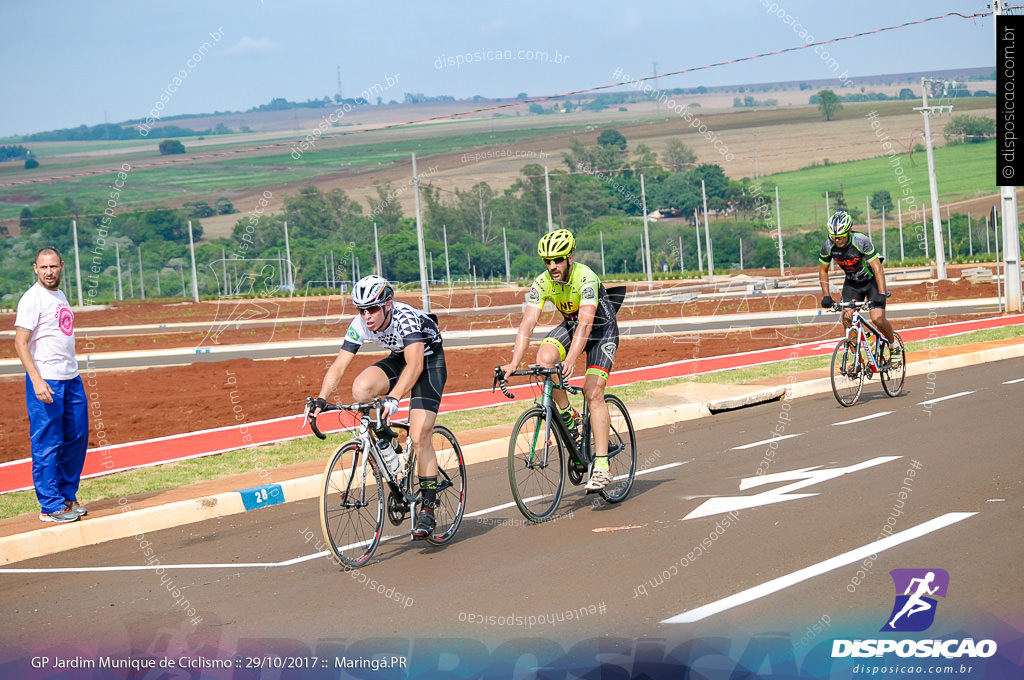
x: 66, y: 63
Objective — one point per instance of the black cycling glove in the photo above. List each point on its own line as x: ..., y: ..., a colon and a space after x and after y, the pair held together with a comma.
x: 827, y: 302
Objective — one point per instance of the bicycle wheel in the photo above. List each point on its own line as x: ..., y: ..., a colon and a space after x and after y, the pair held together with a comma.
x: 893, y: 376
x: 451, y: 485
x: 621, y: 450
x: 536, y: 469
x: 351, y: 507
x: 847, y: 373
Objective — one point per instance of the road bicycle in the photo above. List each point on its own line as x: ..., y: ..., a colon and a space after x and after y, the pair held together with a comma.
x: 352, y: 505
x: 864, y: 353
x: 542, y: 452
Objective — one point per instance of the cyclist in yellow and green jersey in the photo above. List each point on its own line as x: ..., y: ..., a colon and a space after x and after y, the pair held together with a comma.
x: 588, y: 326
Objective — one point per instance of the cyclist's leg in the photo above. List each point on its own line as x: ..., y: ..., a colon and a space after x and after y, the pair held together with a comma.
x: 850, y: 294
x: 878, y: 311
x: 378, y: 379
x: 552, y: 350
x: 423, y: 407
x: 600, y: 356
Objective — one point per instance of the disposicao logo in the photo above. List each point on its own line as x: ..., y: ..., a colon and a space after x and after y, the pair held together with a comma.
x: 914, y: 611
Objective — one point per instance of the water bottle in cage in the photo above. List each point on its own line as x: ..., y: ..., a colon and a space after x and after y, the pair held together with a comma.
x: 387, y: 452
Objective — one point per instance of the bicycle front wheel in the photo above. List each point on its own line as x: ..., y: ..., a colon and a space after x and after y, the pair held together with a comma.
x: 893, y: 376
x: 847, y: 373
x: 351, y: 506
x: 621, y: 450
x: 451, y: 485
x: 536, y: 469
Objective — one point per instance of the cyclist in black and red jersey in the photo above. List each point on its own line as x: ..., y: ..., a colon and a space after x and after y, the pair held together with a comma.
x: 865, y: 278
x: 588, y: 327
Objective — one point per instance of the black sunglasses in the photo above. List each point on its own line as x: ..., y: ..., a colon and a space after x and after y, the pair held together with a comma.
x: 371, y: 310
x: 554, y: 260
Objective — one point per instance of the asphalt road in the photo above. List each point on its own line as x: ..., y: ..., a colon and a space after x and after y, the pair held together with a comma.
x: 770, y: 556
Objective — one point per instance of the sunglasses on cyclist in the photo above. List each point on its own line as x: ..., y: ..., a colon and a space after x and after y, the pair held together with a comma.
x: 554, y: 260
x: 369, y: 311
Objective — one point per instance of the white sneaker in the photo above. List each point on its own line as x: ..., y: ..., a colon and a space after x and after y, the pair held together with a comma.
x: 598, y: 480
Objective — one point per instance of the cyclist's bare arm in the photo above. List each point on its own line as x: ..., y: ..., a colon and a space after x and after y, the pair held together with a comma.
x: 876, y: 267
x: 413, y: 354
x: 526, y: 326
x: 584, y: 326
x: 334, y: 374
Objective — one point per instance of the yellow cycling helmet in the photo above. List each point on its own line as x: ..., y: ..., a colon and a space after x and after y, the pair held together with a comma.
x: 558, y: 243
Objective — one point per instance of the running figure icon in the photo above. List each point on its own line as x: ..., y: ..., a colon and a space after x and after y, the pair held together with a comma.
x: 919, y: 588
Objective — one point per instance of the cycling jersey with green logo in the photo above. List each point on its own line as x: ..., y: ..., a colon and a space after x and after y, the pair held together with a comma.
x: 583, y: 289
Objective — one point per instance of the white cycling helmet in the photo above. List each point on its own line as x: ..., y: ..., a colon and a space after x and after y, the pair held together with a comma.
x: 371, y: 291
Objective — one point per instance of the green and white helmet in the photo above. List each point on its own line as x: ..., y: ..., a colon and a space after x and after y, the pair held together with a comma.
x: 840, y: 224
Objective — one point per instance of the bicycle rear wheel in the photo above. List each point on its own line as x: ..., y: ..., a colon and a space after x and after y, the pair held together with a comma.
x: 351, y: 507
x: 536, y: 469
x: 451, y: 485
x: 847, y: 373
x: 893, y: 376
x: 621, y: 450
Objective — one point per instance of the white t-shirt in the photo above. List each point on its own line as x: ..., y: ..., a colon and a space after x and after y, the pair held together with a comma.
x: 48, y: 315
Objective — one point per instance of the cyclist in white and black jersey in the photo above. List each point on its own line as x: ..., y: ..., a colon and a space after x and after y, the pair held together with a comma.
x: 415, y: 365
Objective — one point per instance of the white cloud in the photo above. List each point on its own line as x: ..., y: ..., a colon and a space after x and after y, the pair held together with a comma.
x: 253, y: 47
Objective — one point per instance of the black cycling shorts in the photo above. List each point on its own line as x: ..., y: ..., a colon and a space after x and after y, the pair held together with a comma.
x: 426, y: 392
x: 858, y: 291
x: 600, y: 347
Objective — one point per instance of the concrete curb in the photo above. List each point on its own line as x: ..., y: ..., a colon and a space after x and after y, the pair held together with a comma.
x: 129, y: 522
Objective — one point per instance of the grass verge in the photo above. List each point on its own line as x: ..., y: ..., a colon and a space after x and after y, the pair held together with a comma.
x: 272, y: 456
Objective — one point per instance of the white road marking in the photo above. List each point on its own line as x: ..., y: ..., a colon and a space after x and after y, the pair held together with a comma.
x: 951, y: 396
x: 775, y: 585
x: 765, y: 441
x: 265, y: 565
x: 860, y: 420
x: 800, y: 478
x: 1012, y: 382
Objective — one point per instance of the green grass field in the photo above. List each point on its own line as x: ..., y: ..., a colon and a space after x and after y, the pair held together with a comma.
x: 962, y: 171
x: 273, y: 456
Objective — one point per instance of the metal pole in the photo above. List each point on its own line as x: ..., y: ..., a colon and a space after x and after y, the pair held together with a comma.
x: 424, y: 288
x: 885, y: 250
x: 431, y: 266
x: 970, y: 236
x: 707, y: 232
x: 78, y: 266
x: 924, y: 228
x: 376, y: 247
x: 867, y: 203
x: 547, y: 192
x: 741, y: 253
x: 1011, y: 250
x: 940, y: 260
x: 828, y: 211
x: 181, y: 270
x: 288, y: 260
x: 680, y: 255
x: 778, y: 225
x: 192, y: 251
x: 142, y: 283
x: 447, y: 268
x: 696, y: 224
x: 120, y: 285
x: 647, y: 235
x: 508, y: 268
x: 999, y: 271
x: 899, y: 208
x: 131, y: 284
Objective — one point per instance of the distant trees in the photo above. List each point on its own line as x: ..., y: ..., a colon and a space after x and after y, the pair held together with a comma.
x: 969, y: 129
x: 881, y: 200
x: 678, y: 155
x: 171, y: 146
x: 829, y: 104
x: 13, y: 152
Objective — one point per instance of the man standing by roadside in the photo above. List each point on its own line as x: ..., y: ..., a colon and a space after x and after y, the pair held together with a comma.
x: 58, y: 415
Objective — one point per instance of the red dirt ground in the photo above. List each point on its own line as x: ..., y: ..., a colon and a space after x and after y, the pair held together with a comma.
x: 139, y: 404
